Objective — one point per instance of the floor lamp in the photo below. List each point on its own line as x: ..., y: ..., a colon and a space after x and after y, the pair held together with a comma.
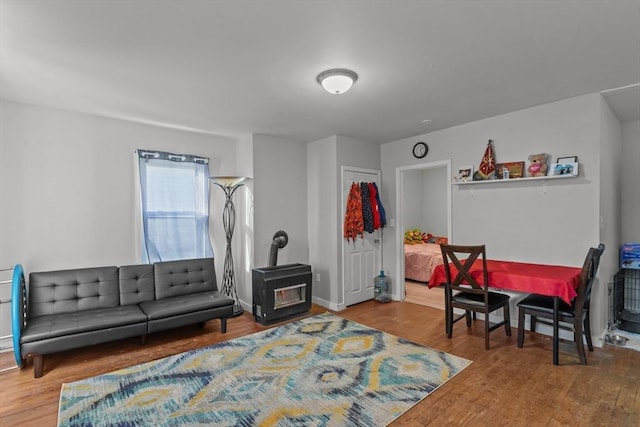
x: 229, y: 185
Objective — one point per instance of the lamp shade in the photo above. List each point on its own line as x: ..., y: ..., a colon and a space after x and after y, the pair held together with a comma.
x: 228, y: 181
x: 337, y: 80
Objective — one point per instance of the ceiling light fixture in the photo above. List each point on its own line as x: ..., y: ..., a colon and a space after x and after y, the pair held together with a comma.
x: 337, y: 80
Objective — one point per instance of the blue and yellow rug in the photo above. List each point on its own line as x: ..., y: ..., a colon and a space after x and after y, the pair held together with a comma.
x: 323, y: 371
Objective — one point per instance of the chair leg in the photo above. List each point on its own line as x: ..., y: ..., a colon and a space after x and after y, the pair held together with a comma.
x: 507, y: 319
x: 486, y: 330
x: 448, y: 313
x: 520, y: 327
x: 556, y: 332
x: 532, y: 323
x: 448, y: 321
x: 579, y: 342
x: 587, y: 331
x: 467, y: 315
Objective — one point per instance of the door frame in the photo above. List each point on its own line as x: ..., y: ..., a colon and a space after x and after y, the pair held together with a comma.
x: 343, y: 205
x: 399, y: 236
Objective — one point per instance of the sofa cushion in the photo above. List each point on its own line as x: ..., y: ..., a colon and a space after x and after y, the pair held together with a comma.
x: 68, y: 291
x: 182, y: 304
x: 136, y: 284
x: 57, y: 325
x: 183, y: 277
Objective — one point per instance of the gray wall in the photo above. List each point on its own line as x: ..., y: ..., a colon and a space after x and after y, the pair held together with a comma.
x: 630, y: 182
x: 325, y: 159
x: 280, y: 198
x: 425, y: 200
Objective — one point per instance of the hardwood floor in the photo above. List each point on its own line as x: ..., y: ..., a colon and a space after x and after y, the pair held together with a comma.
x: 503, y: 386
x: 419, y: 293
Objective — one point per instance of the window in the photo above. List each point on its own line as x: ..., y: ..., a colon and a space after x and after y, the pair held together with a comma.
x: 174, y: 196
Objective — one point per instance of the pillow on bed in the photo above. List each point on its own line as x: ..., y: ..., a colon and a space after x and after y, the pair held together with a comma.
x: 436, y: 239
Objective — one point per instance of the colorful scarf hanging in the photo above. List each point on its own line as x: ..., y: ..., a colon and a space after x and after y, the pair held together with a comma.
x: 353, y: 221
x: 383, y: 216
x: 367, y: 212
x: 375, y: 207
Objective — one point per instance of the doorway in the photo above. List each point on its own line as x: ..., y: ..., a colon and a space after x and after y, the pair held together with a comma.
x: 423, y: 201
x: 362, y: 257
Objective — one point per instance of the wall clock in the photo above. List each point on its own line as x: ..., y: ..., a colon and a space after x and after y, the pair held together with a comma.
x: 420, y: 150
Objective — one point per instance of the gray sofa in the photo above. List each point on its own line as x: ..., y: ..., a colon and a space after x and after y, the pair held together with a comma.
x: 69, y: 309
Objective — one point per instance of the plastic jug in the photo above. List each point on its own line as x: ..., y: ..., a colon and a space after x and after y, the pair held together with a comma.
x: 382, y: 288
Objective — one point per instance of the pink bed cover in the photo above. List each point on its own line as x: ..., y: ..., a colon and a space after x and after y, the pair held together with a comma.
x: 420, y: 260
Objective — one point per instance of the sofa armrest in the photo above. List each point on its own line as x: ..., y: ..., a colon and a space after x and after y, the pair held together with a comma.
x: 18, y: 308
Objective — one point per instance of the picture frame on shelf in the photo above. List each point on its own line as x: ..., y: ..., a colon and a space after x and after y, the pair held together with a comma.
x: 567, y: 159
x: 564, y: 169
x: 509, y: 170
x: 465, y: 174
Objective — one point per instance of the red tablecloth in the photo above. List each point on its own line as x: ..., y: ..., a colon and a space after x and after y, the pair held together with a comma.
x: 551, y: 280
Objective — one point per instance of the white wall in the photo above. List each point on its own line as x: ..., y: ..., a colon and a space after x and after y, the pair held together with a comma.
x: 68, y: 185
x: 610, y: 214
x: 630, y: 182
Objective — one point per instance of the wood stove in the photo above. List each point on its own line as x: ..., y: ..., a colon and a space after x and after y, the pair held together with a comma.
x: 281, y: 292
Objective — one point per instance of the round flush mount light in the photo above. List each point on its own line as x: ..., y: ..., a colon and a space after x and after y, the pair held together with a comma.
x: 337, y: 80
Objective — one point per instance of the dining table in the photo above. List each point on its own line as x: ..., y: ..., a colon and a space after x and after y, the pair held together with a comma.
x: 557, y: 281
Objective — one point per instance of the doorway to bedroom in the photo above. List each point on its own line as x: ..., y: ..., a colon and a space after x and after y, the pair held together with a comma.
x: 424, y: 209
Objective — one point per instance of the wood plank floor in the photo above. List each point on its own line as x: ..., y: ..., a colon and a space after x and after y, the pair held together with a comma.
x: 503, y: 386
x: 419, y: 293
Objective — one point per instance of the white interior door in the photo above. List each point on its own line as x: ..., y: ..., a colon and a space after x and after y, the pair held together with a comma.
x: 361, y: 259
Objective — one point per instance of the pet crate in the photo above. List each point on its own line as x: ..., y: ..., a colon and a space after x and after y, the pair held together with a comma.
x: 626, y: 300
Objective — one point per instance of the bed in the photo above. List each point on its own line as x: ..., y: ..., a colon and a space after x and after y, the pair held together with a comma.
x: 420, y: 260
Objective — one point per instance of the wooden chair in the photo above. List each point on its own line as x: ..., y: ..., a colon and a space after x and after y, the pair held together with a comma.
x: 575, y: 316
x: 471, y: 295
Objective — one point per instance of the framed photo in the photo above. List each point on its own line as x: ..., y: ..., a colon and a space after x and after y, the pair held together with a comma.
x: 570, y: 168
x: 509, y: 170
x: 465, y: 173
x: 568, y: 159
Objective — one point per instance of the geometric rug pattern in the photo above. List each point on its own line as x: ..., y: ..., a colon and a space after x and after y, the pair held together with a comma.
x: 321, y: 371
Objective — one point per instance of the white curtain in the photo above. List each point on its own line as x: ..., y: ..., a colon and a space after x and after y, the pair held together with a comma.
x: 174, y: 194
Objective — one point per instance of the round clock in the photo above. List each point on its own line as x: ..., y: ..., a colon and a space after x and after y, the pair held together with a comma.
x: 420, y: 150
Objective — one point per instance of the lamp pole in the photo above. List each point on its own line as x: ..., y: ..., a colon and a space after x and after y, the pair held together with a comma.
x: 229, y: 222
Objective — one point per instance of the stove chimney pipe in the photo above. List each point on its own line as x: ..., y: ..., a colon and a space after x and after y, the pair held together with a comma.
x: 280, y: 240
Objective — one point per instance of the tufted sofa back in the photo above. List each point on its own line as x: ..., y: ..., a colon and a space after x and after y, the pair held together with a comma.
x: 173, y: 278
x: 64, y: 291
x: 136, y: 284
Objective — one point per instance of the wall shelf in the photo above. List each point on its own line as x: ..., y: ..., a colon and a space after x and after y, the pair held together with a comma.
x: 506, y: 181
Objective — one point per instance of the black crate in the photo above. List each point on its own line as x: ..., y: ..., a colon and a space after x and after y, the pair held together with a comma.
x: 626, y: 300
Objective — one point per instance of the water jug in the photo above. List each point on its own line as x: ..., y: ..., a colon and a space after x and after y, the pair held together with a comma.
x: 382, y: 288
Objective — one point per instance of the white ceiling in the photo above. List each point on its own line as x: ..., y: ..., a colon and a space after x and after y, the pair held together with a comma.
x: 237, y: 67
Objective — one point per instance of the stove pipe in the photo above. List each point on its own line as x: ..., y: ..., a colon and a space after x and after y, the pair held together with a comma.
x: 280, y: 240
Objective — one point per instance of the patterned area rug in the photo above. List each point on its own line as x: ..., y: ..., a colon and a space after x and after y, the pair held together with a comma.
x: 323, y: 370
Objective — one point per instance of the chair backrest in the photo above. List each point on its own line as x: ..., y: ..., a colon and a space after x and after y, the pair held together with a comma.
x: 587, y: 277
x: 458, y: 260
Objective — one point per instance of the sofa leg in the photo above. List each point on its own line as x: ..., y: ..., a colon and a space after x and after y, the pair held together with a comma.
x: 38, y: 365
x: 223, y: 325
x: 143, y: 339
